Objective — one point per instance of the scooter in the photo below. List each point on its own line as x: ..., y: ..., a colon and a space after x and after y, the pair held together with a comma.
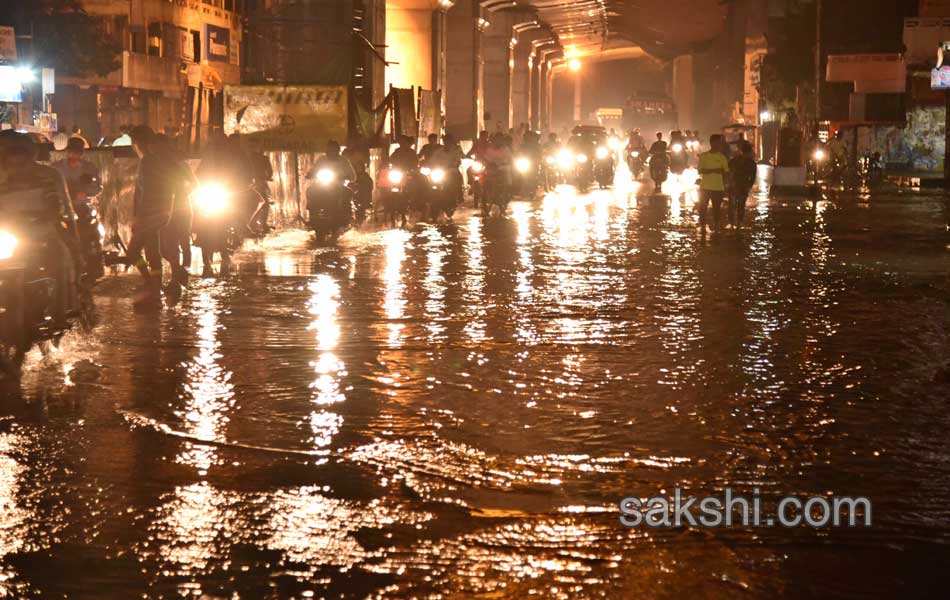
x: 33, y: 276
x: 497, y: 188
x: 394, y: 186
x: 441, y: 191
x: 218, y: 223
x: 659, y: 170
x: 635, y: 163
x: 604, y: 167
x: 329, y: 206
x: 583, y: 172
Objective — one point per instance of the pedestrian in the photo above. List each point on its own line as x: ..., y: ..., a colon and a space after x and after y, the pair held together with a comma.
x: 152, y: 209
x: 175, y: 236
x: 713, y: 168
x: 77, y: 135
x: 82, y: 176
x: 124, y: 138
x: 742, y: 174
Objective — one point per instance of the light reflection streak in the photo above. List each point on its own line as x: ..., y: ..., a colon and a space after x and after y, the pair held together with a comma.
x: 434, y: 284
x: 394, y: 302
x: 328, y: 368
x: 475, y: 281
x: 522, y: 215
x: 208, y: 391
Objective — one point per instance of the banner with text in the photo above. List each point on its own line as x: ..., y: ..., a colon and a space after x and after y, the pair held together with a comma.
x: 291, y: 118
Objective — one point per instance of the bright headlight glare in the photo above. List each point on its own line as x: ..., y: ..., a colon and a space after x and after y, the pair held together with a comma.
x: 582, y: 158
x: 565, y: 158
x: 635, y: 154
x: 8, y: 243
x: 602, y: 153
x: 437, y: 175
x: 425, y: 171
x: 549, y: 160
x: 523, y: 165
x: 677, y: 147
x: 477, y: 167
x: 212, y: 198
x: 819, y: 154
x: 396, y: 176
x: 325, y: 176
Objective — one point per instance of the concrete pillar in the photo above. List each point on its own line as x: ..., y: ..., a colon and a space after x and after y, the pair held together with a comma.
x: 684, y: 91
x: 521, y: 80
x: 409, y: 38
x: 534, y: 91
x: 498, y: 53
x: 464, y: 71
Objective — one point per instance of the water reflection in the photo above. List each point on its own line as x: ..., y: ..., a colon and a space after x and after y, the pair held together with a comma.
x: 328, y: 368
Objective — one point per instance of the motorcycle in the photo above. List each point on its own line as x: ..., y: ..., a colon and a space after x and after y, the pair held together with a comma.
x: 635, y: 163
x: 659, y: 169
x: 394, y: 187
x: 604, y: 167
x: 34, y: 281
x: 497, y: 189
x: 218, y: 226
x: 583, y: 172
x: 528, y: 175
x: 678, y: 161
x: 329, y: 206
x: 440, y: 191
x: 91, y: 235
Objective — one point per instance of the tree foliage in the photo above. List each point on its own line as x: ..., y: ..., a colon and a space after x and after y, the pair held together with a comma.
x: 65, y: 36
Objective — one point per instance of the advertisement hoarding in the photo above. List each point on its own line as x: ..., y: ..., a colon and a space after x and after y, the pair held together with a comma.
x: 217, y: 43
x: 7, y: 44
x: 290, y: 118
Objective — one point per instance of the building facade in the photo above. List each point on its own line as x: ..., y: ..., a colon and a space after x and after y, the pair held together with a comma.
x: 176, y: 57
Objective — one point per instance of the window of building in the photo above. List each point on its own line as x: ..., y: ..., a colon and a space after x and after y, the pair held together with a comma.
x: 155, y: 38
x: 196, y: 42
x: 137, y: 39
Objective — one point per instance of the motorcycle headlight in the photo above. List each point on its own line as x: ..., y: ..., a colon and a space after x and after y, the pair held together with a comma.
x: 8, y: 243
x: 677, y: 148
x: 396, y: 176
x: 635, y: 154
x: 549, y: 160
x: 523, y: 165
x: 212, y: 198
x: 819, y: 155
x: 615, y: 143
x: 602, y: 153
x: 325, y: 176
x: 582, y: 158
x: 477, y: 167
x: 565, y: 158
x: 437, y: 175
x: 425, y: 171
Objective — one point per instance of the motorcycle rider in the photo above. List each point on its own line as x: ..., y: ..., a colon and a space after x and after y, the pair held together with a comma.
x: 430, y: 148
x: 19, y: 171
x: 226, y: 163
x: 82, y: 176
x: 531, y: 149
x: 659, y: 162
x: 344, y: 173
x: 357, y: 152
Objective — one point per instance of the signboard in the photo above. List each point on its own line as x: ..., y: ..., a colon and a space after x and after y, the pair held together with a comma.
x: 405, y: 111
x: 430, y: 113
x: 178, y: 43
x: 7, y: 44
x: 292, y: 118
x: 866, y: 67
x: 940, y: 78
x: 217, y: 43
x: 11, y: 84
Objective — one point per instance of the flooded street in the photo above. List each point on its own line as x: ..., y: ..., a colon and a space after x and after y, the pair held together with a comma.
x: 455, y: 411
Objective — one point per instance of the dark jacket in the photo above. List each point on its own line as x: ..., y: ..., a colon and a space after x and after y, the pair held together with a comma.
x: 742, y: 172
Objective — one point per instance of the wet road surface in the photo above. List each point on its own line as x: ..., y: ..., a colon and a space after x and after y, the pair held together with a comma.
x: 455, y: 411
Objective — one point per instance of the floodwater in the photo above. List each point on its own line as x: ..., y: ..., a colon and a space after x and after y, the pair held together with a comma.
x: 455, y: 411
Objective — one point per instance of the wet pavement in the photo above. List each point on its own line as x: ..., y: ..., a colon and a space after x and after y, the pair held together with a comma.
x: 455, y: 411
